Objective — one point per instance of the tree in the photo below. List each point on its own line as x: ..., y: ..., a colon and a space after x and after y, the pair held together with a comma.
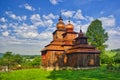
x: 10, y: 60
x: 97, y: 35
x: 36, y: 61
x: 7, y: 60
x: 117, y: 57
x: 17, y: 59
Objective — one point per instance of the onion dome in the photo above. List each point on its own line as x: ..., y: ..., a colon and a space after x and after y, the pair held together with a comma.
x: 60, y: 25
x: 69, y: 27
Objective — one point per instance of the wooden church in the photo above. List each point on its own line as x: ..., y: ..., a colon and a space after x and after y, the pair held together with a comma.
x: 69, y: 49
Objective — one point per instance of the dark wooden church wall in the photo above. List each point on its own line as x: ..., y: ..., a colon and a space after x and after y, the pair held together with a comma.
x: 83, y: 60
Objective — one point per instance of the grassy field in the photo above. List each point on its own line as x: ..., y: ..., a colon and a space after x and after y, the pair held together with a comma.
x: 39, y: 74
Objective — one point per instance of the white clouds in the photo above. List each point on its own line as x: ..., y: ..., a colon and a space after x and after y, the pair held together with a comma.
x: 26, y: 31
x: 50, y: 16
x: 45, y: 35
x: 24, y: 17
x: 89, y: 18
x: 30, y: 35
x: 54, y: 2
x: 75, y: 14
x: 114, y: 32
x: 28, y: 7
x: 3, y: 19
x: 83, y: 26
x: 113, y: 42
x: 36, y: 20
x: 35, y: 17
x: 21, y: 46
x: 108, y: 21
x: 29, y: 31
x: 79, y: 15
x: 10, y: 14
x: 5, y: 33
x: 67, y: 13
x: 47, y: 20
x: 13, y: 16
x: 48, y: 23
x: 3, y: 26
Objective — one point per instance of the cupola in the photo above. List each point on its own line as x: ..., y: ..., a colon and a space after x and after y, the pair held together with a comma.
x: 60, y: 25
x: 69, y: 27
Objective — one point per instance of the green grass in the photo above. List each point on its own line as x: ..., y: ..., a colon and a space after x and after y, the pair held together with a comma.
x: 39, y: 74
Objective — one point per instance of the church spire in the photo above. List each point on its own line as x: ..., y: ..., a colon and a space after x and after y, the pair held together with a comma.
x: 60, y: 17
x: 69, y: 20
x: 80, y: 29
x: 80, y: 33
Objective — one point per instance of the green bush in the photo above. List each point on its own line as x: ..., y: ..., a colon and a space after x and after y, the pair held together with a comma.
x: 117, y: 58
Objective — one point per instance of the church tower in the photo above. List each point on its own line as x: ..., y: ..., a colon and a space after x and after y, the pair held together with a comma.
x: 53, y: 53
x: 69, y: 36
x: 60, y: 29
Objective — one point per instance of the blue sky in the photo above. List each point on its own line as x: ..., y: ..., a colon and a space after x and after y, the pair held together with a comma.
x: 26, y: 26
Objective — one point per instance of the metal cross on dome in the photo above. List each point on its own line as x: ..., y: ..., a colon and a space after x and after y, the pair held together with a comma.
x: 69, y: 20
x: 80, y: 28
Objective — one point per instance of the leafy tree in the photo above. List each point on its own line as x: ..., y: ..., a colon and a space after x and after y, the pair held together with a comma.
x: 117, y: 58
x: 31, y: 61
x: 36, y: 61
x: 106, y: 59
x: 97, y: 35
x: 7, y: 60
x: 17, y: 59
x: 10, y: 60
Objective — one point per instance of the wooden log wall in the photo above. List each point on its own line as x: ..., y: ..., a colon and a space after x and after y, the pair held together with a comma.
x: 83, y: 60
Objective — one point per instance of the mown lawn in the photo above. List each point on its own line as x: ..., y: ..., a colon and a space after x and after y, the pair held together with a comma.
x: 39, y: 74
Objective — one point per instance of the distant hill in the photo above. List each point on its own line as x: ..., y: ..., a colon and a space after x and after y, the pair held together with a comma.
x: 29, y: 56
x: 116, y: 50
x: 1, y: 54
